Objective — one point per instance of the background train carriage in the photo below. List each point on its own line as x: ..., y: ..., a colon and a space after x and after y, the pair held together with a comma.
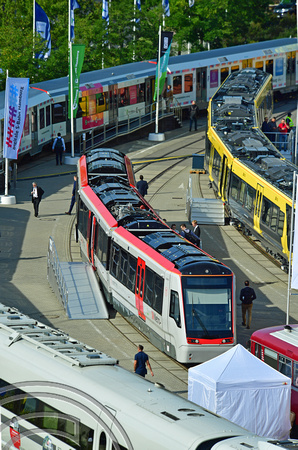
x: 179, y: 296
x: 247, y: 171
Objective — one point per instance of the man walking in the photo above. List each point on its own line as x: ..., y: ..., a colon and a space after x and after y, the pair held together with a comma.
x: 142, y: 186
x: 36, y: 194
x: 140, y: 362
x: 59, y: 147
x: 247, y: 295
x: 193, y: 114
x: 73, y: 197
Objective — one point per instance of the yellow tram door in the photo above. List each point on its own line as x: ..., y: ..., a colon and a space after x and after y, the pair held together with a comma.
x: 258, y: 207
x: 224, y: 179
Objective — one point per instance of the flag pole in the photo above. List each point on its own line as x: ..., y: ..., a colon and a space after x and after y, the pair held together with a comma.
x: 158, y: 72
x: 6, y: 159
x: 291, y: 248
x: 134, y: 30
x: 33, y: 27
x: 71, y: 83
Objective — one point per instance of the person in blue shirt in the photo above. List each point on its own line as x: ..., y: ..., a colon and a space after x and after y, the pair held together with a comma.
x: 73, y: 197
x: 140, y: 362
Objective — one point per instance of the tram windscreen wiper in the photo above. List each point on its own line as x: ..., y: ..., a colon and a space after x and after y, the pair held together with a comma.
x: 196, y: 315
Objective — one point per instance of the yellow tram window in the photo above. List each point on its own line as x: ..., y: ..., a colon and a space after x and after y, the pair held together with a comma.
x: 259, y: 65
x: 234, y: 68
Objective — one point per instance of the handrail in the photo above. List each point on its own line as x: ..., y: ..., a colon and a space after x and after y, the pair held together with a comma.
x: 55, y: 275
x: 145, y: 117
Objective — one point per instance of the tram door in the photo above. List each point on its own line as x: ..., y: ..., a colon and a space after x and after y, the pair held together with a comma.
x: 113, y: 103
x: 149, y: 92
x: 291, y: 64
x: 139, y: 288
x: 224, y: 179
x: 258, y: 207
x: 201, y: 86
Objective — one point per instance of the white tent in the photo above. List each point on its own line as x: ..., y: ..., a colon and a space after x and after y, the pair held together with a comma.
x: 243, y: 389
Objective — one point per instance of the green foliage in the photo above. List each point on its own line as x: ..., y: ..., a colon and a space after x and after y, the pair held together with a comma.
x: 218, y: 23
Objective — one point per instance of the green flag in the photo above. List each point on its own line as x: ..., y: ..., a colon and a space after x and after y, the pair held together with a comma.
x: 163, y: 72
x: 78, y: 52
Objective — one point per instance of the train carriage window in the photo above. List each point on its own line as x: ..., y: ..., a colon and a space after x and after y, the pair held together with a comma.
x: 274, y: 218
x: 235, y: 184
x: 266, y: 211
x: 295, y: 374
x: 48, y: 115
x: 177, y: 84
x: 59, y: 112
x: 270, y: 358
x: 250, y: 197
x: 131, y: 276
x: 141, y: 92
x: 115, y: 253
x: 234, y: 68
x: 26, y: 126
x: 281, y: 222
x: 123, y: 97
x: 259, y: 65
x: 269, y: 66
x: 101, y: 246
x: 149, y: 287
x: 174, y: 308
x: 41, y: 118
x: 285, y: 366
x: 122, y: 277
x: 242, y: 192
x: 216, y: 164
x: 188, y: 82
x: 158, y: 293
x: 102, y: 441
x: 258, y: 350
x: 83, y: 219
x: 224, y: 72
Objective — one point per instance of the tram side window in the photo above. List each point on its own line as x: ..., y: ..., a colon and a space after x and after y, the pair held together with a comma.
x: 83, y: 219
x: 216, y: 164
x: 281, y: 222
x: 115, y: 260
x: 270, y: 358
x: 123, y: 97
x: 177, y: 84
x: 224, y: 72
x: 242, y: 192
x: 285, y: 366
x: 174, y: 308
x: 258, y: 350
x: 266, y: 211
x: 269, y: 66
x: 48, y: 115
x: 235, y: 184
x: 59, y: 113
x: 41, y: 118
x: 154, y: 285
x: 131, y: 276
x: 141, y: 92
x: 188, y: 82
x: 250, y: 197
x: 234, y: 68
x: 259, y: 65
x: 101, y: 247
x: 295, y: 373
x: 123, y: 266
x: 274, y: 218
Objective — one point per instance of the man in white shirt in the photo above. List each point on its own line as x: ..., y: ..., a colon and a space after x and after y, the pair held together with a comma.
x: 36, y: 194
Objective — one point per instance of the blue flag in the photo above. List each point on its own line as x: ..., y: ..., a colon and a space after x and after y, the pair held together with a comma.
x: 42, y: 26
x: 138, y: 2
x: 73, y: 5
x: 105, y: 11
x: 166, y: 7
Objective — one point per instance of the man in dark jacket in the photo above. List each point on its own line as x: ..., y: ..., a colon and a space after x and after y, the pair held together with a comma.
x: 247, y: 295
x: 142, y: 186
x: 193, y: 114
x: 36, y: 194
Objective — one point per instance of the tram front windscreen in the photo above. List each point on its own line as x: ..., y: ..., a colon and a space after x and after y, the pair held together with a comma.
x: 208, y: 306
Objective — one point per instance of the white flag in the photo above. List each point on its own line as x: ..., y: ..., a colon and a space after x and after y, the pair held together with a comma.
x: 191, y: 3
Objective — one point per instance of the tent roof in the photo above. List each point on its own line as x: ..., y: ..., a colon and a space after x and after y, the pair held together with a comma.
x: 238, y: 368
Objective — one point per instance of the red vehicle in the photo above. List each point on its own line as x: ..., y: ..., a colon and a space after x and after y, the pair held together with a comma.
x: 278, y: 347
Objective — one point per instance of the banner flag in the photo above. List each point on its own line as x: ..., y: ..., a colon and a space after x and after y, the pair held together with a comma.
x: 294, y: 282
x: 73, y: 5
x: 166, y: 7
x: 191, y: 3
x: 16, y: 101
x: 42, y: 26
x: 138, y: 4
x: 105, y: 11
x: 163, y: 72
x: 78, y: 52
